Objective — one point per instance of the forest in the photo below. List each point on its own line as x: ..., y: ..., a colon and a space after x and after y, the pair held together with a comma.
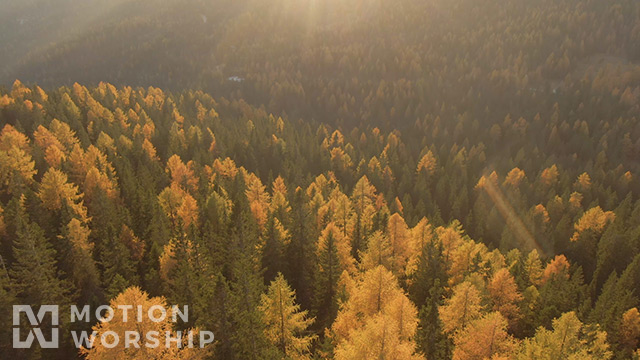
x: 354, y: 179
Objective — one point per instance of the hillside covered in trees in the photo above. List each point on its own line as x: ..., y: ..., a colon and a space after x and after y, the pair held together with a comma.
x: 336, y: 61
x: 368, y: 240
x: 337, y: 179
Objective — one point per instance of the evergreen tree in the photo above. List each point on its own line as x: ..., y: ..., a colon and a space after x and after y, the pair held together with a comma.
x: 325, y: 280
x: 35, y: 276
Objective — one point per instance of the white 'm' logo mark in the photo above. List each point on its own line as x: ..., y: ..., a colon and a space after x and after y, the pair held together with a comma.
x: 33, y: 321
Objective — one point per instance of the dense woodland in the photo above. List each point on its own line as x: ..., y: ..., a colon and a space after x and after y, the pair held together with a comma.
x: 327, y: 179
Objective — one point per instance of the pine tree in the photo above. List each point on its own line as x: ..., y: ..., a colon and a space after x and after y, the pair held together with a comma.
x: 7, y: 299
x: 84, y: 271
x: 247, y: 337
x: 34, y: 271
x: 426, y: 290
x: 362, y: 199
x: 299, y: 253
x: 276, y: 237
x: 34, y: 274
x: 326, y: 275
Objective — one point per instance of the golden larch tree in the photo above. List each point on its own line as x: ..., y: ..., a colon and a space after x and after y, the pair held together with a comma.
x: 182, y: 174
x: 559, y: 266
x: 285, y: 324
x: 378, y: 252
x: 569, y: 339
x: 464, y: 306
x: 55, y: 192
x: 427, y: 164
x: 630, y: 329
x: 594, y: 220
x: 135, y: 297
x: 505, y: 295
x: 533, y: 268
x: 398, y: 234
x: 550, y: 175
x: 485, y: 338
x: 377, y: 321
x: 420, y: 236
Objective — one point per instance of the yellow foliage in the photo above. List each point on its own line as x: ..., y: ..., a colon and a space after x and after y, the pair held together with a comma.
x: 377, y: 321
x: 63, y: 133
x: 148, y: 129
x: 399, y: 239
x: 341, y: 210
x: 285, y: 324
x: 149, y: 149
x: 16, y: 161
x: 630, y: 328
x: 464, y: 306
x: 98, y: 180
x: 188, y: 211
x: 593, y: 220
x: 533, y: 267
x: 343, y: 247
x: 258, y: 198
x: 451, y: 238
x: 5, y: 101
x: 559, y: 266
x: 576, y: 200
x: 569, y: 339
x: 583, y: 183
x: 340, y: 159
x: 179, y: 206
x: 427, y: 164
x: 462, y: 257
x: 374, y: 166
x: 226, y: 168
x: 504, y: 294
x: 279, y: 198
x: 54, y: 156
x: 105, y: 142
x: 181, y: 174
x: 212, y: 146
x: 485, y: 338
x: 378, y: 253
x: 56, y: 191
x: 485, y: 180
x: 420, y: 236
x: 10, y: 138
x: 540, y: 212
x: 78, y: 235
x: 19, y: 91
x: 45, y: 139
x: 514, y: 177
x: 550, y: 175
x: 135, y: 297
